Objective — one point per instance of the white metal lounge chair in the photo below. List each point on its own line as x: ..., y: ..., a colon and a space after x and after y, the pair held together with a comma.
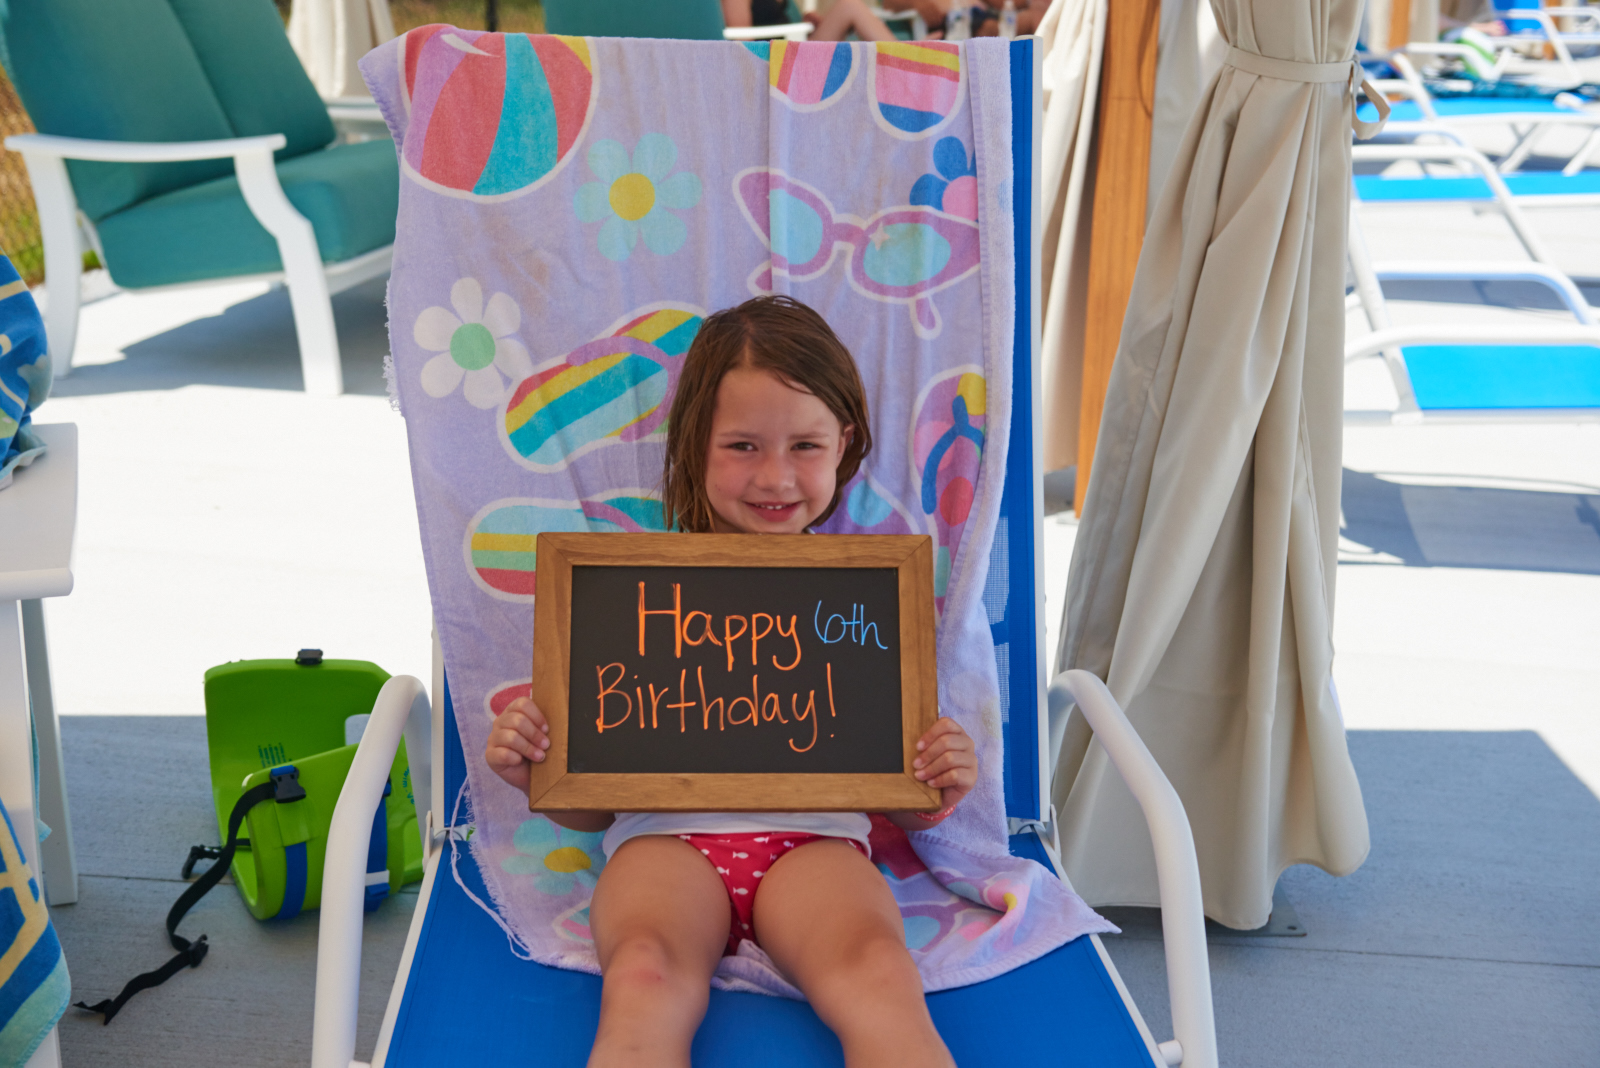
x: 1419, y: 113
x: 1475, y: 373
x: 1069, y: 1005
x: 1475, y: 181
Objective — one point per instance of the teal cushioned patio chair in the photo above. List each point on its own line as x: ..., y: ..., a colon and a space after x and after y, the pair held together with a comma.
x: 186, y: 140
x: 683, y: 20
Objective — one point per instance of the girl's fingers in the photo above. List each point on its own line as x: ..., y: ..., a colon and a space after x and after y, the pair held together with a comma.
x: 945, y: 743
x: 530, y: 746
x: 525, y: 707
x: 961, y: 764
x: 945, y: 726
x: 522, y: 725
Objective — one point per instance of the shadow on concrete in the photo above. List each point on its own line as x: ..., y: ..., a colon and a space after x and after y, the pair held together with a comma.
x: 251, y: 345
x: 1474, y: 526
x: 1519, y: 296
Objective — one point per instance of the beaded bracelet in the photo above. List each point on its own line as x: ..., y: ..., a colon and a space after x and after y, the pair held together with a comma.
x: 934, y: 817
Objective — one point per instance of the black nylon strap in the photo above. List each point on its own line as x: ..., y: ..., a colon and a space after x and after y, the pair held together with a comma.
x: 190, y: 954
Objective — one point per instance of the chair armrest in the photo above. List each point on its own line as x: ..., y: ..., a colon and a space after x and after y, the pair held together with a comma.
x: 1183, y: 922
x: 1551, y: 278
x: 1478, y: 334
x: 333, y: 1031
x: 143, y: 151
x: 789, y: 31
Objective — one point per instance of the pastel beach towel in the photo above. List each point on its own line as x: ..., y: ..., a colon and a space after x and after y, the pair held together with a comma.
x: 570, y: 210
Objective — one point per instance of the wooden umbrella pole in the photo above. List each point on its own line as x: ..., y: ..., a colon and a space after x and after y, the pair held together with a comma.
x: 1399, y: 23
x: 1122, y: 173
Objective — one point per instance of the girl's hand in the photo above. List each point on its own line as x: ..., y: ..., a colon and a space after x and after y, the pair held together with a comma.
x: 947, y: 761
x: 518, y: 740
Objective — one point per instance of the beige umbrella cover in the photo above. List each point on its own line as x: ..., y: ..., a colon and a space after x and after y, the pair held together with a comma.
x: 1203, y: 575
x: 329, y: 36
x: 1072, y: 36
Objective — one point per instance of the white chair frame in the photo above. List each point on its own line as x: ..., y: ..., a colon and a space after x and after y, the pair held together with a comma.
x: 1528, y: 127
x: 403, y: 709
x: 1388, y: 340
x: 311, y: 282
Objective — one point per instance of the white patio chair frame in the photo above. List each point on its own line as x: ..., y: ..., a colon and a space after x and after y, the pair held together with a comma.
x: 311, y: 283
x: 1388, y: 340
x: 402, y: 708
x: 1527, y: 127
x: 1472, y: 160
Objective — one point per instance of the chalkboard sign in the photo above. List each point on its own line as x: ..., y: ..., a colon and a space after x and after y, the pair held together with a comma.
x: 723, y: 672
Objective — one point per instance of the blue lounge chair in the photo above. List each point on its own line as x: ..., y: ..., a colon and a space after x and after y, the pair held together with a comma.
x: 1067, y: 1007
x: 1476, y: 373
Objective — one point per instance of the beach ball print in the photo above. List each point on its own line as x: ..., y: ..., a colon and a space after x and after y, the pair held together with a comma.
x: 559, y: 860
x: 917, y: 86
x: 947, y: 438
x: 807, y: 75
x: 614, y: 389
x: 473, y: 344
x: 637, y: 196
x: 954, y: 188
x: 546, y: 90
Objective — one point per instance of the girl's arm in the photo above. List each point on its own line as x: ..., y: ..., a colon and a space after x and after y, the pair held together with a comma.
x: 949, y: 763
x: 517, y: 741
x: 736, y: 13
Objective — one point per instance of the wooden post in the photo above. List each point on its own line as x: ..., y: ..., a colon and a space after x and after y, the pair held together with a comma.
x: 1399, y: 23
x: 1122, y: 174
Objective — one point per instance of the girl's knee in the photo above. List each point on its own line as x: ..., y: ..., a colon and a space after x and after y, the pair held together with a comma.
x: 875, y: 962
x: 645, y: 961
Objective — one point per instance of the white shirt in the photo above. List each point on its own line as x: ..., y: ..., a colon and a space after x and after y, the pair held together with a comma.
x: 854, y: 825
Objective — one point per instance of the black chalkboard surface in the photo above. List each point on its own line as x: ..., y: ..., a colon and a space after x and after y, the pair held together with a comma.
x: 709, y: 672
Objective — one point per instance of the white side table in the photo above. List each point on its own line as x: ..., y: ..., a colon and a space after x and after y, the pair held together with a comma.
x: 38, y: 516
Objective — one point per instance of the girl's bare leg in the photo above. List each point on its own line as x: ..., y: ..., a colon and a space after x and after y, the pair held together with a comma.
x: 847, y: 15
x: 660, y: 918
x: 826, y: 917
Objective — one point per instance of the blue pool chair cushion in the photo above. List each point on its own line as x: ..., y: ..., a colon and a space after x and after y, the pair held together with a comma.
x: 1408, y: 111
x: 1377, y: 187
x: 1062, y: 1009
x: 1446, y: 377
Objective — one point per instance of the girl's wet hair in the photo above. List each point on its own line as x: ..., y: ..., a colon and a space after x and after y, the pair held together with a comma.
x: 776, y: 334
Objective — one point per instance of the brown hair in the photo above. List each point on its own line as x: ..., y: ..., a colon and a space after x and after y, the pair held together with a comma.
x: 776, y: 334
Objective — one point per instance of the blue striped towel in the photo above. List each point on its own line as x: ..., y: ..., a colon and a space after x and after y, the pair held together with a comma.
x: 24, y: 374
x: 34, y: 986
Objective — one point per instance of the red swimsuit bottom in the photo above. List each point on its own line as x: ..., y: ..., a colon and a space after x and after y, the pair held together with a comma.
x: 741, y: 860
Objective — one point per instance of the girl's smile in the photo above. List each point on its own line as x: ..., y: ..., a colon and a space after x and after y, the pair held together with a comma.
x: 772, y: 462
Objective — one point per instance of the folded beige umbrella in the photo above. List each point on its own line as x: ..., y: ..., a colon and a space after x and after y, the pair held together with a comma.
x: 329, y: 36
x: 1203, y: 575
x: 1072, y: 36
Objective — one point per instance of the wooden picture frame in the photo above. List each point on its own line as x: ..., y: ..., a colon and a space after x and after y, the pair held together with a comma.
x: 555, y: 787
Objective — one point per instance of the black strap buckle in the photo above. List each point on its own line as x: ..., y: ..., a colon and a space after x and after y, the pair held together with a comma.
x: 287, y: 782
x: 199, y: 852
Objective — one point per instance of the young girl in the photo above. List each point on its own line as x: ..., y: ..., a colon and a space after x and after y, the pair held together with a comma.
x: 769, y: 423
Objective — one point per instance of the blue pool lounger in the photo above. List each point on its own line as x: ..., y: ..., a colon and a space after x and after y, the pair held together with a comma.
x: 1068, y: 1007
x: 1476, y: 373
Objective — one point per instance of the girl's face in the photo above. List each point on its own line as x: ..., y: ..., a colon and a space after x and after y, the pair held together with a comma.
x: 773, y: 459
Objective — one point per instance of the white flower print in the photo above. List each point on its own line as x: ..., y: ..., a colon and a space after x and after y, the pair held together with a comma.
x: 474, y: 342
